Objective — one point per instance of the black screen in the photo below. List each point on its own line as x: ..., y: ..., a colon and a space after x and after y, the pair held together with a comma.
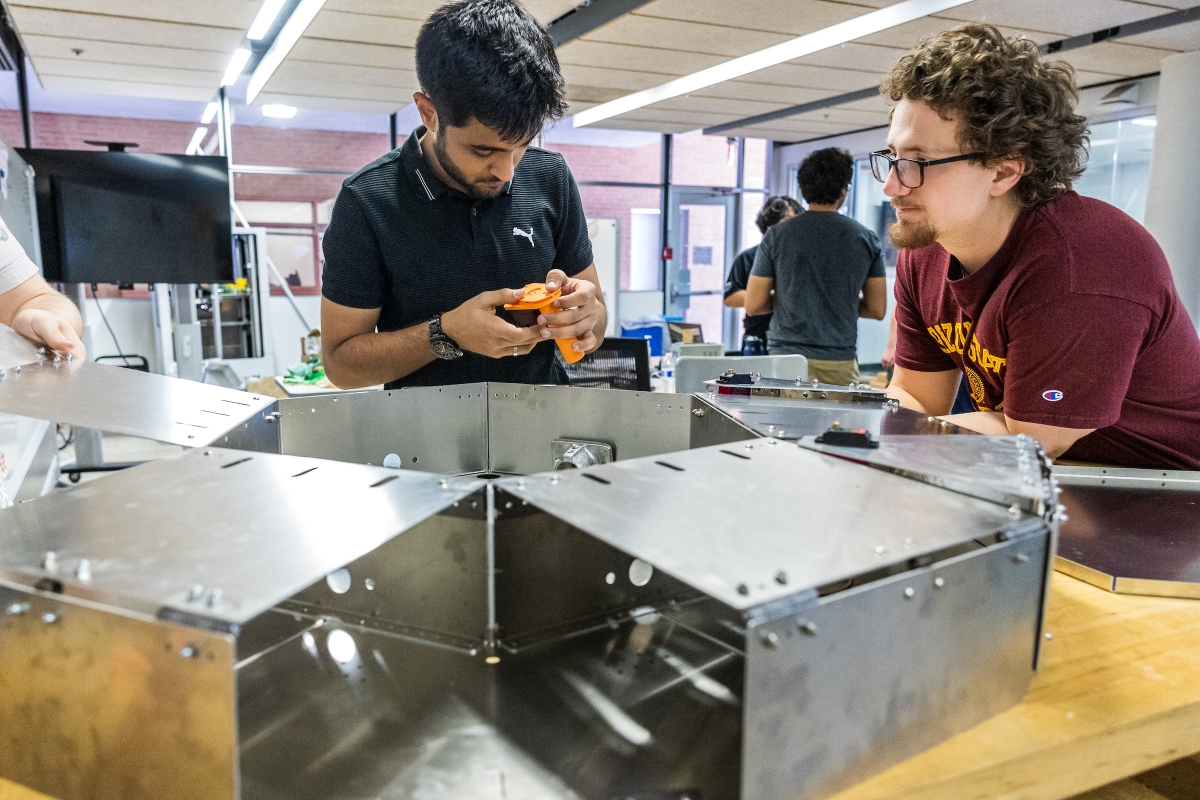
x: 132, y: 217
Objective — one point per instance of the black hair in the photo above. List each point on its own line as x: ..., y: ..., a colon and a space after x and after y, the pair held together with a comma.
x: 824, y: 175
x: 490, y: 60
x: 774, y: 211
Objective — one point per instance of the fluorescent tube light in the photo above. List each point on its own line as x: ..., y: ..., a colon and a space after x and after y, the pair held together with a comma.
x: 197, y: 137
x: 842, y: 32
x: 210, y: 113
x: 236, y: 65
x: 278, y: 111
x: 292, y: 30
x: 1145, y: 121
x: 264, y: 19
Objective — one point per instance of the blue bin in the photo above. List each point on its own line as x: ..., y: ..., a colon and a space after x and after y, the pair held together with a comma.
x: 654, y: 333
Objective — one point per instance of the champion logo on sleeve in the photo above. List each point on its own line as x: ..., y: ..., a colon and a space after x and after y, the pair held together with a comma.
x: 1053, y: 395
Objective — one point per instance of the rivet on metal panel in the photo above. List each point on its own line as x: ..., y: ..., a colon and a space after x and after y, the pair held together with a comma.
x: 640, y: 572
x: 610, y: 578
x: 806, y: 627
x: 1049, y: 635
x: 743, y: 588
x: 214, y: 597
x: 50, y: 562
x: 909, y: 542
x: 781, y: 578
x: 699, y: 412
x: 508, y: 504
x: 445, y: 484
x: 880, y: 549
x: 17, y: 369
x: 816, y: 383
x: 824, y: 396
x: 931, y: 419
x: 190, y: 651
x: 49, y: 617
x: 1014, y: 510
x: 770, y: 639
x: 83, y: 570
x: 16, y: 608
x: 939, y: 583
x: 190, y: 436
x: 837, y: 425
x: 41, y: 351
x: 554, y: 480
x: 195, y: 593
x: 3, y: 374
x: 370, y: 584
x: 1020, y: 558
x: 909, y: 592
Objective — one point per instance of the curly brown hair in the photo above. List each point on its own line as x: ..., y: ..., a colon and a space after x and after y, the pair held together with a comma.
x: 1008, y: 100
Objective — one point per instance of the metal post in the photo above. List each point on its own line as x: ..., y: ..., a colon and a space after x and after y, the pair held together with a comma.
x: 224, y: 127
x: 392, y: 132
x: 23, y: 97
x: 665, y: 217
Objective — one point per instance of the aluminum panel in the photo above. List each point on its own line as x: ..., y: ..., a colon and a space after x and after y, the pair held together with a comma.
x: 120, y: 400
x: 523, y: 421
x: 96, y: 704
x: 960, y: 639
x: 395, y: 720
x: 802, y: 520
x: 433, y: 429
x: 249, y: 529
x: 1011, y: 470
x: 792, y: 418
x: 15, y: 349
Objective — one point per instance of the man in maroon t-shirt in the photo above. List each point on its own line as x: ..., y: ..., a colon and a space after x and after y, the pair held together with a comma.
x: 1060, y: 310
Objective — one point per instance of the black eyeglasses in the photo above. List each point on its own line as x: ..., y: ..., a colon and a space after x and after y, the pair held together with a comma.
x: 910, y: 171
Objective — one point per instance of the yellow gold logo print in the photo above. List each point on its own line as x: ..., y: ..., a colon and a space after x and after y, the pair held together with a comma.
x: 976, y: 384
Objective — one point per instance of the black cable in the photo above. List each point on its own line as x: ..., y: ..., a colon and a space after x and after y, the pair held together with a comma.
x: 110, y: 330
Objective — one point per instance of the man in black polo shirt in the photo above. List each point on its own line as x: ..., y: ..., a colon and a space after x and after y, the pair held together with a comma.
x: 425, y: 243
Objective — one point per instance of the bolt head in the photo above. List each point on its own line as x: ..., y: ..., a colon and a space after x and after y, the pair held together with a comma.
x: 808, y: 628
x: 939, y: 583
x: 781, y: 578
x: 743, y: 589
x: 770, y: 639
x: 909, y: 593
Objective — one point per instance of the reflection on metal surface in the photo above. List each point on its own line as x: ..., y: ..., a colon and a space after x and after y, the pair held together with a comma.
x: 16, y: 350
x: 1010, y: 470
x: 126, y: 401
x: 1131, y: 531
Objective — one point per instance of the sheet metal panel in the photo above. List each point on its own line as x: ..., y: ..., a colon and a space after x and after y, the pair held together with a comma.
x: 252, y: 528
x: 120, y: 400
x: 523, y: 421
x: 433, y: 429
x: 869, y: 677
x: 794, y: 417
x: 802, y: 520
x: 1004, y: 469
x: 96, y: 704
x: 15, y: 349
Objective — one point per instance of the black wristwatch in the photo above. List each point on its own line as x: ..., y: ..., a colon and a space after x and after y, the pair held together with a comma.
x: 442, y: 345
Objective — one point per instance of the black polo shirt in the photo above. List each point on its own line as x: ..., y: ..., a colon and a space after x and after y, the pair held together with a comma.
x: 402, y: 241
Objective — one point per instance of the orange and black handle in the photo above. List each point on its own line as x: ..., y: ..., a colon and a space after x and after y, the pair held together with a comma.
x: 537, y: 298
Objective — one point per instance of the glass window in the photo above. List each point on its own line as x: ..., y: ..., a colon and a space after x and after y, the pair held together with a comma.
x: 754, y: 173
x: 869, y: 206
x: 699, y: 160
x: 640, y: 236
x: 752, y: 203
x: 1118, y: 168
x: 702, y: 227
x: 292, y: 252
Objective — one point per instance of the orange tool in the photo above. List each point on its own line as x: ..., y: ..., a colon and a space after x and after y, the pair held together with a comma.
x: 536, y: 298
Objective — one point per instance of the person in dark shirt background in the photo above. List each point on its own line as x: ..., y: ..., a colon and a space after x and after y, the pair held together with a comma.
x: 819, y: 273
x: 754, y: 342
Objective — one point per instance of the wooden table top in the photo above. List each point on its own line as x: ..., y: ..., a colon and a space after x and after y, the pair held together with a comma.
x: 1118, y: 693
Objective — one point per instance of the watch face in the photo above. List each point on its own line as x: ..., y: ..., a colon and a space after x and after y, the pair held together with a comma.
x: 444, y: 350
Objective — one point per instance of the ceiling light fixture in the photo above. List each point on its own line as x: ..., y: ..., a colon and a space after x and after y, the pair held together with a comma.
x: 210, y: 113
x: 197, y: 137
x: 278, y: 111
x: 236, y: 65
x: 842, y: 32
x: 1146, y: 121
x: 292, y: 30
x: 264, y: 19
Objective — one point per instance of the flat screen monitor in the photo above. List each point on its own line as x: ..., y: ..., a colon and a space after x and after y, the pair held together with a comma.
x: 132, y: 217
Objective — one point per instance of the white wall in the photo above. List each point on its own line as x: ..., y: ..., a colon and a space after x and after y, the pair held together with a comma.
x: 287, y: 330
x: 131, y: 321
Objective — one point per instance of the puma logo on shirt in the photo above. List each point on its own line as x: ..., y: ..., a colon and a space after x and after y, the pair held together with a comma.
x: 529, y: 235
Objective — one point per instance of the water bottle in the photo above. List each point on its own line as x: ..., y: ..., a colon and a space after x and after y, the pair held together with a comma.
x: 666, y: 366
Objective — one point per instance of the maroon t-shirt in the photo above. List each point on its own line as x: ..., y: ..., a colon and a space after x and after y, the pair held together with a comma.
x: 1075, y: 322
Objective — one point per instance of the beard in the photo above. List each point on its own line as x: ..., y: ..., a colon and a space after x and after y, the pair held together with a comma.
x: 479, y: 191
x: 911, y: 235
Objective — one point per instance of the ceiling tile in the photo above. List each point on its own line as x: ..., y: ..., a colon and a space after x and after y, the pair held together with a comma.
x: 1071, y: 18
x: 235, y: 14
x: 127, y: 88
x: 685, y: 36
x: 1184, y: 38
x: 36, y: 21
x: 353, y: 53
x: 794, y: 18
x: 1115, y: 58
x: 40, y: 47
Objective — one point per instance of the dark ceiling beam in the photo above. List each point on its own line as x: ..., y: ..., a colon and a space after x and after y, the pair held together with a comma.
x: 588, y: 16
x: 1107, y: 34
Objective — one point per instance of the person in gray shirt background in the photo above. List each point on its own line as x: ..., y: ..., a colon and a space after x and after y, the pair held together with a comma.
x: 818, y: 273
